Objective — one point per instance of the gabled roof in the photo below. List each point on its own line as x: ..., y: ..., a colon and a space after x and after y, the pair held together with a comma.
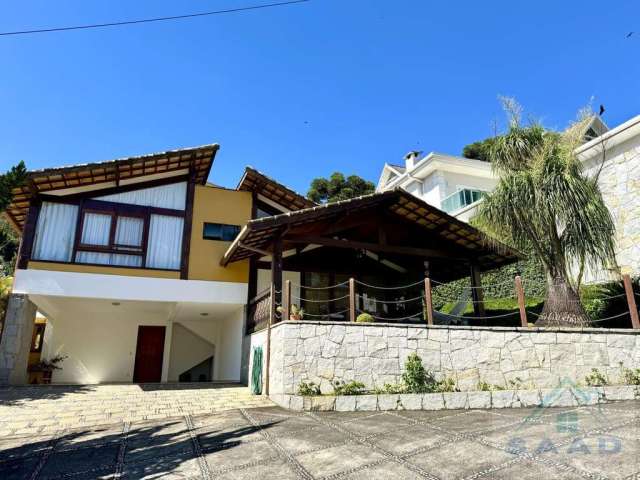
x: 258, y: 235
x: 259, y: 183
x: 108, y: 174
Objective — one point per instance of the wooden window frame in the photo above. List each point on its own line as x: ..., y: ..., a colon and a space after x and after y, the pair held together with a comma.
x: 117, y: 210
x: 85, y: 201
x: 113, y: 247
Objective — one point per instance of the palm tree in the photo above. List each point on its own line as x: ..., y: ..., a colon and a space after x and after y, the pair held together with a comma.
x: 545, y: 204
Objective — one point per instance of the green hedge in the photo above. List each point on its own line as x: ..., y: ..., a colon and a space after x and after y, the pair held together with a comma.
x: 497, y: 285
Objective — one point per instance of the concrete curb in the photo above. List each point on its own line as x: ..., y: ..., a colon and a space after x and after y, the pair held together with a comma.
x: 557, y: 397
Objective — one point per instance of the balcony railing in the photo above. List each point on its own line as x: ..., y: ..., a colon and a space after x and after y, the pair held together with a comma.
x: 461, y: 199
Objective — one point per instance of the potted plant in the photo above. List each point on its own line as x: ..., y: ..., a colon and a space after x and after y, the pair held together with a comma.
x: 295, y: 312
x: 46, y: 367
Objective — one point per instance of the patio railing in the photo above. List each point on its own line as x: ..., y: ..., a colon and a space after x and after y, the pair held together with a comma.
x: 415, y: 303
x: 258, y: 311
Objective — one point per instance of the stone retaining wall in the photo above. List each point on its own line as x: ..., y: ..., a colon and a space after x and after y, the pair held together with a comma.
x: 375, y: 354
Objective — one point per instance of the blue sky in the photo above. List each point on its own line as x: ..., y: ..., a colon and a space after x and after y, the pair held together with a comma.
x: 304, y: 90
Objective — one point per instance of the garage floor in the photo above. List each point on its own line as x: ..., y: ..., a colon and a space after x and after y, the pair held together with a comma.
x: 271, y: 443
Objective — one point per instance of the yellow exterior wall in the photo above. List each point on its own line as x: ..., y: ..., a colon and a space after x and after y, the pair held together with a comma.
x: 217, y: 205
x: 78, y: 268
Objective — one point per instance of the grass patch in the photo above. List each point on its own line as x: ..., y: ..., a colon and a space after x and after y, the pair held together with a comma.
x: 499, y: 306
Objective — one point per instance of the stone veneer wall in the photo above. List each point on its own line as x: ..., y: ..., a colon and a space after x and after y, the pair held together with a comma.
x: 619, y: 181
x: 375, y: 354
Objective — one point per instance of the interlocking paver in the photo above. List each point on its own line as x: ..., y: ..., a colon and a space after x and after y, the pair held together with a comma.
x: 271, y: 443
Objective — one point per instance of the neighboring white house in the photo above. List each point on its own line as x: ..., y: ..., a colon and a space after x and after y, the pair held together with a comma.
x: 450, y: 183
x: 456, y: 184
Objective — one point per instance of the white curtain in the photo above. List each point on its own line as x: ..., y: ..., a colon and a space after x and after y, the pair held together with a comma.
x: 166, y: 196
x: 95, y: 229
x: 165, y: 242
x: 55, y: 232
x: 102, y: 258
x: 129, y: 231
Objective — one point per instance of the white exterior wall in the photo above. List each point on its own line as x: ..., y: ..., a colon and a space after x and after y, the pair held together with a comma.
x: 227, y: 364
x: 101, y: 346
x: 456, y: 181
x: 433, y: 188
x: 619, y: 182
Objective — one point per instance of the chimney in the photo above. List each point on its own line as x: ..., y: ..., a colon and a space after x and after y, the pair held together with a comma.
x: 410, y: 159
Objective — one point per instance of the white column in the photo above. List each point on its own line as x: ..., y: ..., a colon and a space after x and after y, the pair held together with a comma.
x: 168, y: 335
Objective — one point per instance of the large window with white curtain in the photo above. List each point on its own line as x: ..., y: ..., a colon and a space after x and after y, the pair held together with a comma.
x: 111, y: 238
x: 55, y: 231
x: 139, y: 229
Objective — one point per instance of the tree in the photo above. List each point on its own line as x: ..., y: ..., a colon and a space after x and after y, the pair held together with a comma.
x: 544, y: 203
x: 337, y: 187
x: 10, y: 180
x: 8, y: 240
x: 479, y: 150
x: 8, y: 248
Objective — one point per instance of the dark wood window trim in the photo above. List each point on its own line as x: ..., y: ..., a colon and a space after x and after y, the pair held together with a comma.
x: 112, y: 247
x: 59, y: 262
x: 188, y: 225
x: 116, y: 210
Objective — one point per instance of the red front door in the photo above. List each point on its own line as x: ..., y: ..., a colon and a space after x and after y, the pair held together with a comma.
x: 149, y: 351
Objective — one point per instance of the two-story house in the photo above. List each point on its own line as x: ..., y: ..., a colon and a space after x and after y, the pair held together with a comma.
x: 145, y: 272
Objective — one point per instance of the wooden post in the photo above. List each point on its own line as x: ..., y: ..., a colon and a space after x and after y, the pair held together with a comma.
x: 631, y: 300
x: 477, y: 295
x: 28, y: 235
x: 428, y: 300
x: 352, y: 299
x: 276, y: 285
x: 276, y: 275
x: 521, y: 305
x: 286, y: 301
x: 272, y: 312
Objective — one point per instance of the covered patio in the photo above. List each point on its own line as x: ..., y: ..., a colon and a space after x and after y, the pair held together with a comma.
x: 369, y: 254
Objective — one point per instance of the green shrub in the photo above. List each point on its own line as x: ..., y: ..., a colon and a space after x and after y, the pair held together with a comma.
x: 488, y: 387
x: 630, y: 376
x: 446, y: 385
x: 416, y: 378
x: 393, y: 388
x: 607, y: 300
x: 596, y: 378
x: 351, y: 388
x: 308, y: 389
x: 365, y: 318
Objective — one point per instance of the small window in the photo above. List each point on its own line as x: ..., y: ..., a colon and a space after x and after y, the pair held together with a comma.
x: 219, y: 231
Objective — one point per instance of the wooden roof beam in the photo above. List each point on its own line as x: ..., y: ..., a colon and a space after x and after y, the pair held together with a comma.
x: 375, y: 247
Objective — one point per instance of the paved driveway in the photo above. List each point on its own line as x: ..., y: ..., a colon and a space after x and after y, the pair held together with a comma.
x: 42, y: 409
x: 271, y: 443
